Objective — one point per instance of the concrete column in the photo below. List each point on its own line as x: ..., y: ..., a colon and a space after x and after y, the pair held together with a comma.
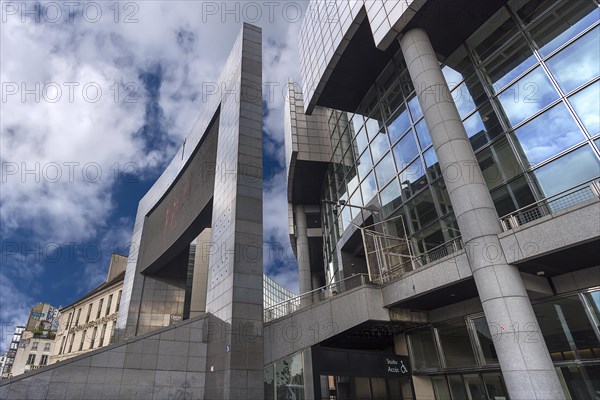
x: 200, y: 280
x: 524, y: 359
x: 302, y: 249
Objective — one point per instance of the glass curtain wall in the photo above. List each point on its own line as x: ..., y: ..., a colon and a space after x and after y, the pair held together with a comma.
x: 527, y: 86
x: 463, y: 350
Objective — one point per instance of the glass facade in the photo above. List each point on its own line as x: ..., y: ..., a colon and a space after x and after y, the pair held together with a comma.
x: 459, y: 355
x: 284, y: 379
x: 527, y: 86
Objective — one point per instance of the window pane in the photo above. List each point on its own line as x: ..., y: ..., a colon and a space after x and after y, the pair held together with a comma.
x: 415, y: 108
x: 413, y: 179
x: 486, y: 340
x: 452, y: 77
x: 433, y: 167
x: 566, y: 329
x: 378, y: 388
x: 390, y: 197
x: 573, y: 168
x: 423, y: 134
x: 406, y: 150
x: 362, y: 388
x: 528, y: 10
x: 483, y: 126
x: 440, y: 388
x: 474, y: 385
x: 364, y: 164
x: 593, y: 299
x: 563, y: 23
x: 368, y: 188
x: 583, y: 382
x: 493, y: 34
x: 385, y: 170
x: 494, y: 385
x: 527, y: 96
x: 458, y: 66
x: 457, y: 387
x: 456, y: 344
x: 361, y: 140
x: 512, y: 196
x: 268, y: 382
x: 548, y: 134
x: 498, y: 163
x: 422, y: 347
x: 508, y: 64
x: 578, y: 63
x: 587, y: 106
x: 421, y: 210
x: 379, y: 146
x: 399, y: 125
x: 442, y: 197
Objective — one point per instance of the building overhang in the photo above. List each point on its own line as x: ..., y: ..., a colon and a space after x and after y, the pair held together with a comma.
x: 361, y: 53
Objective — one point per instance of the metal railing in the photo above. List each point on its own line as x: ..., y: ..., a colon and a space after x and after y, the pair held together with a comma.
x: 551, y: 205
x: 437, y: 253
x: 287, y: 307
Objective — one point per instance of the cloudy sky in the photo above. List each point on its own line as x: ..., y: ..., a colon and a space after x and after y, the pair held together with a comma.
x: 95, y: 100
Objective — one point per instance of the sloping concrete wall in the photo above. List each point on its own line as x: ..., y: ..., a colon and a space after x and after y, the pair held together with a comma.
x: 169, y: 363
x: 323, y: 320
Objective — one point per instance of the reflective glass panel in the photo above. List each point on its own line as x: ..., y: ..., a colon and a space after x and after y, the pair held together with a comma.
x: 593, y: 299
x: 582, y: 382
x: 452, y: 77
x: 378, y: 388
x: 587, y: 106
x: 368, y: 188
x: 529, y: 10
x: 361, y: 140
x: 494, y: 33
x: 457, y: 387
x: 578, y: 63
x: 362, y: 388
x: 379, y: 146
x: 406, y: 150
x: 421, y: 210
x: 474, y: 386
x: 385, y: 170
x: 512, y: 196
x: 567, y: 329
x: 564, y: 22
x: 422, y: 348
x: 364, y: 164
x: 289, y: 377
x: 442, y: 196
x: 573, y: 168
x: 415, y: 108
x: 399, y: 125
x: 268, y: 382
x: 458, y: 66
x: 463, y: 100
x: 440, y: 388
x: 456, y: 344
x: 527, y: 96
x: 486, y: 340
x: 433, y: 167
x: 508, y: 64
x: 498, y: 163
x: 423, y: 134
x: 494, y: 385
x: 483, y: 126
x: 413, y: 179
x: 548, y: 134
x: 373, y: 126
x: 390, y: 197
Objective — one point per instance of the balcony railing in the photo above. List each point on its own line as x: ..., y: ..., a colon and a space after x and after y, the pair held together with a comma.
x: 287, y: 307
x: 551, y: 205
x: 436, y: 253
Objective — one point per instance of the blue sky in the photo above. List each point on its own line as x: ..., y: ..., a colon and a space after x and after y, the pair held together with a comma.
x: 95, y: 102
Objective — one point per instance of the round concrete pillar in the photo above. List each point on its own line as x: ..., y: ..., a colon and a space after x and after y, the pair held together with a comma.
x: 524, y: 359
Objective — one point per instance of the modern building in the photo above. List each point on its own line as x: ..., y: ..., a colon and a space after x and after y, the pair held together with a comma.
x: 191, y: 311
x: 3, y: 358
x: 459, y: 207
x: 12, y: 351
x: 36, y: 339
x: 89, y: 322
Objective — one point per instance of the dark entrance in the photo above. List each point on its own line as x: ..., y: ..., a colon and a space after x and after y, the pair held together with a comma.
x: 360, y: 375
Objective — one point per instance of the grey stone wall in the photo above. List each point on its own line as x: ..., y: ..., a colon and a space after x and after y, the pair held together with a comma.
x: 169, y: 363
